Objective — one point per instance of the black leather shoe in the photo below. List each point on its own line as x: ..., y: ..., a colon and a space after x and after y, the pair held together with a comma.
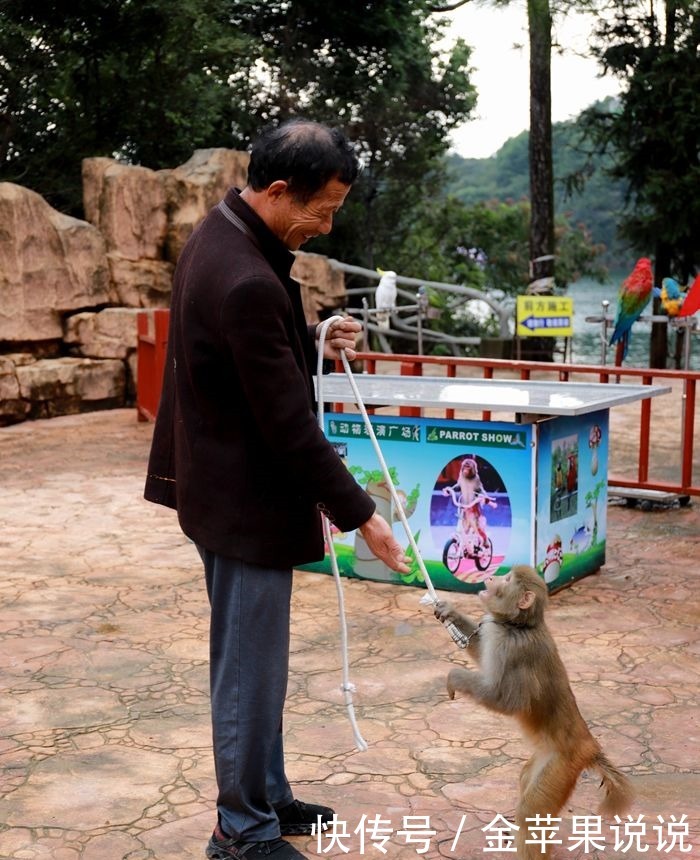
x: 221, y: 847
x: 298, y: 817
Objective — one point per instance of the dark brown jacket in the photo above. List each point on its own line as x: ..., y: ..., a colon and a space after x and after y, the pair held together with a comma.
x: 236, y: 447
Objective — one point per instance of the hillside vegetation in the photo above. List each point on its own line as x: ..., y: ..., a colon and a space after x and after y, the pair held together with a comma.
x: 583, y: 192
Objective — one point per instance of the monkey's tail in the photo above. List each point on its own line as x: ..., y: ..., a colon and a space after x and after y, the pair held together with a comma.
x: 618, y: 789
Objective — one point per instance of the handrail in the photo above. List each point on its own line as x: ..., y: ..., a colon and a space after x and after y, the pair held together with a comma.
x: 413, y: 365
x: 500, y: 309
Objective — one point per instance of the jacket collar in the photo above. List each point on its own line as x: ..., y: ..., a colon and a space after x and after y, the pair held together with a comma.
x: 276, y: 252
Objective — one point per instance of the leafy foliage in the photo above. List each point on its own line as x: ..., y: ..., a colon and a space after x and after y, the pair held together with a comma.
x: 584, y: 193
x: 380, y: 74
x: 654, y: 133
x: 105, y: 77
x: 151, y: 81
x: 486, y: 245
x: 148, y: 82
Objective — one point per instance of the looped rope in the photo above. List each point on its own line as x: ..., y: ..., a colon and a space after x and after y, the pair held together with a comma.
x: 431, y: 597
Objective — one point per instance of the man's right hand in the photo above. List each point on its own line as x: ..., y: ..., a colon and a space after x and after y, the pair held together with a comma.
x: 381, y: 541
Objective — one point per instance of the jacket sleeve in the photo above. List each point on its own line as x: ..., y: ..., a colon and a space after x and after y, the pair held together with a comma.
x: 257, y: 323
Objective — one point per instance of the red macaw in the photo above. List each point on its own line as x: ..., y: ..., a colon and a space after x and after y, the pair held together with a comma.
x: 634, y: 295
x: 692, y: 299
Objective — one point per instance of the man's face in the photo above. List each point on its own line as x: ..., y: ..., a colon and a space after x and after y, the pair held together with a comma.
x: 296, y: 222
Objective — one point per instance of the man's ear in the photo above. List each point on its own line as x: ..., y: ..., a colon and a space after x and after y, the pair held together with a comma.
x: 277, y: 189
x: 526, y: 600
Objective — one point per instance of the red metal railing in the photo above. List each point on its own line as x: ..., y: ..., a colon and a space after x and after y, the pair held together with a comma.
x: 412, y: 365
x: 153, y: 339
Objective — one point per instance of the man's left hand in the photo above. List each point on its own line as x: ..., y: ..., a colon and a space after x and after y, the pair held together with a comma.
x: 341, y: 335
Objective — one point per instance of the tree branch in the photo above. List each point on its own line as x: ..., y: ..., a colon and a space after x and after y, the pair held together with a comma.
x: 449, y: 7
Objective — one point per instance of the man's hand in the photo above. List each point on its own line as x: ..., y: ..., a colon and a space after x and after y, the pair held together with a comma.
x: 341, y: 335
x: 381, y: 541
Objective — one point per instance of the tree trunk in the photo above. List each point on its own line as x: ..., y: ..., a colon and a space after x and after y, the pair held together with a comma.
x: 658, y: 343
x: 541, y: 172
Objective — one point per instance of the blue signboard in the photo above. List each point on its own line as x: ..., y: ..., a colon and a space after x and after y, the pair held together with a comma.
x: 480, y: 496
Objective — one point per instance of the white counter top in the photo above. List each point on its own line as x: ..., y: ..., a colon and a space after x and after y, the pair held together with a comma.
x: 505, y: 395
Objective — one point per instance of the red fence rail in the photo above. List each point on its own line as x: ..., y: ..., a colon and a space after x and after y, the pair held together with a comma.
x: 153, y: 339
x: 413, y: 365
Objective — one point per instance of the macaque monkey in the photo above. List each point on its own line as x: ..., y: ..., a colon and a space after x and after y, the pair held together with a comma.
x: 521, y: 674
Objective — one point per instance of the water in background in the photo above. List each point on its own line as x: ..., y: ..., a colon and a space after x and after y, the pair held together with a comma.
x: 586, y: 342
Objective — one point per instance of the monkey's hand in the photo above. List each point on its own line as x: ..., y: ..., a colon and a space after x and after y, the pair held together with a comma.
x: 444, y: 611
x: 459, y: 681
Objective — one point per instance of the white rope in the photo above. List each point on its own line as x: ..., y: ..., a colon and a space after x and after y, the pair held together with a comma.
x: 347, y: 686
x: 431, y: 597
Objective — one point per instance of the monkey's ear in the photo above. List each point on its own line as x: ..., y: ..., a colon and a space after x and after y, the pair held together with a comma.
x: 527, y: 599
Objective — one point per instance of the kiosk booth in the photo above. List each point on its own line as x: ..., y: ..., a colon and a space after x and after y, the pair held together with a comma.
x: 481, y: 496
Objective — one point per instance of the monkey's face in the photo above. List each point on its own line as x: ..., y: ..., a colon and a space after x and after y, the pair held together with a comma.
x: 519, y: 596
x: 494, y: 589
x: 469, y: 468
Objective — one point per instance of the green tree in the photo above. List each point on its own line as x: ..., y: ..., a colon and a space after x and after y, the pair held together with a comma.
x: 542, y: 224
x: 583, y: 192
x: 654, y: 132
x: 539, y: 19
x: 495, y: 240
x: 144, y: 81
x: 377, y: 70
x: 486, y: 246
x: 151, y: 81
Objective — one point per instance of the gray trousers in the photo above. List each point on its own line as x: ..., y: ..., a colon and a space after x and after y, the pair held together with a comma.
x: 249, y: 666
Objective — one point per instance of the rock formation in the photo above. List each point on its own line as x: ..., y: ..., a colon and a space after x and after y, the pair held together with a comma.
x: 70, y: 290
x: 50, y: 265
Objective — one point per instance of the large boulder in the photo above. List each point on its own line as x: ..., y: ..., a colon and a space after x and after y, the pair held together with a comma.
x: 141, y: 283
x: 127, y: 203
x: 64, y: 386
x: 50, y: 264
x: 197, y: 185
x: 12, y: 407
x: 110, y: 333
x: 60, y: 278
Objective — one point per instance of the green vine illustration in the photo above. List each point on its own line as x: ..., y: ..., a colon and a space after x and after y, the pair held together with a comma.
x: 414, y: 575
x: 372, y: 476
x: 375, y: 477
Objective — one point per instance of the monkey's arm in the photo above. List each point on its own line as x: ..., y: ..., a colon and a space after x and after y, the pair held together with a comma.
x: 495, y: 696
x: 507, y: 681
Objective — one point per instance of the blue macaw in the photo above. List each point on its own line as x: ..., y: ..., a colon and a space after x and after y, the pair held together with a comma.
x: 671, y: 296
x: 634, y: 295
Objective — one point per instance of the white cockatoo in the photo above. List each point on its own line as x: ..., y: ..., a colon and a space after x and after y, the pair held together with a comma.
x: 385, y: 297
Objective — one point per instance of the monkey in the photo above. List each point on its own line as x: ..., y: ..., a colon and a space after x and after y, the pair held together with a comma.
x: 521, y: 674
x: 474, y: 496
x: 469, y: 481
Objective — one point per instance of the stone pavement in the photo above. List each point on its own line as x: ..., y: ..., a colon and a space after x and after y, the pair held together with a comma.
x: 105, y: 741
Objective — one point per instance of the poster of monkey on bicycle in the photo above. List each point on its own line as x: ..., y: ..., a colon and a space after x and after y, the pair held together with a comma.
x: 480, y: 497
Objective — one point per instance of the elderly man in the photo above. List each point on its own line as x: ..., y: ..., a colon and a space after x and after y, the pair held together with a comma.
x: 238, y: 452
